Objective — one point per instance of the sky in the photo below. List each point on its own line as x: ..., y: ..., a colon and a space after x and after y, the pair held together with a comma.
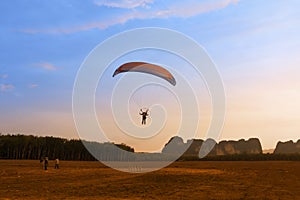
x: 254, y: 44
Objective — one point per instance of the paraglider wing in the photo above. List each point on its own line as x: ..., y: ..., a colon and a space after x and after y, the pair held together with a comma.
x: 147, y: 68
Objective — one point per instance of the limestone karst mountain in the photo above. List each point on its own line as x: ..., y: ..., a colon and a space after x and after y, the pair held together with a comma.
x: 192, y: 147
x: 288, y: 147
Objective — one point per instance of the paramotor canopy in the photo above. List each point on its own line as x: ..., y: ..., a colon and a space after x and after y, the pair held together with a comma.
x: 147, y: 68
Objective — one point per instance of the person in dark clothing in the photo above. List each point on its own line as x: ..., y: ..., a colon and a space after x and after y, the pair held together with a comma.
x: 42, y: 163
x: 144, y: 116
x: 46, y: 163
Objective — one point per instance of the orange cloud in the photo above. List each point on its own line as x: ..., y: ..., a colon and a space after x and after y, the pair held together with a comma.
x: 33, y: 85
x: 6, y: 87
x: 46, y: 66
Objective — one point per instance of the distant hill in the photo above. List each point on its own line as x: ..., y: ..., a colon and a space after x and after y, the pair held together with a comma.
x: 288, y: 147
x: 270, y: 151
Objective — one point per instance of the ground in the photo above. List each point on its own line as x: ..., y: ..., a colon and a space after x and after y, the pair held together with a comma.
x: 24, y: 179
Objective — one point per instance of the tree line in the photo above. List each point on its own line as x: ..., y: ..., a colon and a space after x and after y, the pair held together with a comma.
x: 34, y: 147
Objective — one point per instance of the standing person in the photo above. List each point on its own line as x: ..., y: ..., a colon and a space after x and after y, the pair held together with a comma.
x: 42, y: 163
x: 46, y: 163
x: 56, y: 163
x: 144, y: 116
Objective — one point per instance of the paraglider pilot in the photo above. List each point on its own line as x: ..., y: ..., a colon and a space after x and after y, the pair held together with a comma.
x: 144, y: 116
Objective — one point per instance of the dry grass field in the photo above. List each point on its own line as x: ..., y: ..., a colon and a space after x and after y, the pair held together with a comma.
x: 24, y: 179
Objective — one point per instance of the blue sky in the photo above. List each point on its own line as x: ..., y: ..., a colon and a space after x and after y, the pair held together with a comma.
x: 255, y: 45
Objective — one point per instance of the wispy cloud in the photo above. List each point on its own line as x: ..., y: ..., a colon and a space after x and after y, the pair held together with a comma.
x: 33, y: 85
x: 6, y: 87
x: 196, y: 8
x: 123, y: 3
x: 102, y: 25
x: 4, y: 76
x: 46, y: 66
x: 181, y: 10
